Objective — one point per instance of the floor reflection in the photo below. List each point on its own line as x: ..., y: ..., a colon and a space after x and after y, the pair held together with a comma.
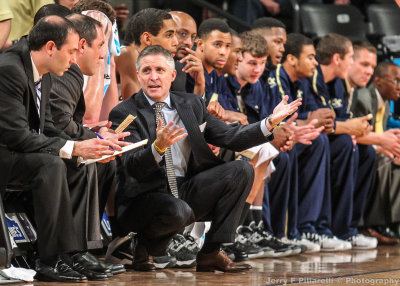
x: 304, y: 267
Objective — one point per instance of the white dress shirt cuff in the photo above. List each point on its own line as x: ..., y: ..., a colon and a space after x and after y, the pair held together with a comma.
x: 156, y: 155
x: 67, y: 149
x: 264, y: 128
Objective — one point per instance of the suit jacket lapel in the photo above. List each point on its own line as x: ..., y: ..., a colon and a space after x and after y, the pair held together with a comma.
x: 26, y: 59
x: 202, y: 154
x: 186, y: 115
x: 374, y: 103
x: 147, y: 112
x: 46, y: 86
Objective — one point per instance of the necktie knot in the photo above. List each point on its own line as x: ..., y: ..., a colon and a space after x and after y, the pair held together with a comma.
x: 38, y: 82
x: 159, y: 106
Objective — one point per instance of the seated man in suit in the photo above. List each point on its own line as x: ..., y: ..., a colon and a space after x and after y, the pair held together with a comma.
x: 68, y: 105
x: 175, y: 179
x: 382, y: 208
x: 34, y: 152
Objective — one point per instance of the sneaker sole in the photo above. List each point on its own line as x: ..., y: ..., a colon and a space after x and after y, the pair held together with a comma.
x: 256, y: 255
x: 332, y: 249
x: 312, y: 250
x: 164, y: 265
x: 363, y: 247
x: 185, y: 263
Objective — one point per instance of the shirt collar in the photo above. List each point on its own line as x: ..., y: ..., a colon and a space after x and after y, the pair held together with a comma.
x: 36, y: 76
x: 166, y: 100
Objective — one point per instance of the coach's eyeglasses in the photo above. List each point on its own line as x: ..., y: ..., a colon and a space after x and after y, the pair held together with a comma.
x: 184, y: 35
x: 395, y: 81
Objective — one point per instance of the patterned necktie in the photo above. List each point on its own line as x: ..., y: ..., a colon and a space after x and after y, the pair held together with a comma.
x: 169, y: 166
x: 38, y: 87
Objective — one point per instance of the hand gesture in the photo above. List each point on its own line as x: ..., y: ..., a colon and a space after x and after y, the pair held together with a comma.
x: 166, y: 136
x: 193, y: 66
x: 284, y: 109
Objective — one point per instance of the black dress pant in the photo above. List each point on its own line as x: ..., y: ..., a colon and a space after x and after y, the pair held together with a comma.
x: 105, y: 179
x: 383, y: 202
x: 217, y: 195
x: 60, y: 200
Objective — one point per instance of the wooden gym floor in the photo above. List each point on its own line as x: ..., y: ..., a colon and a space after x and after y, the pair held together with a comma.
x: 370, y: 267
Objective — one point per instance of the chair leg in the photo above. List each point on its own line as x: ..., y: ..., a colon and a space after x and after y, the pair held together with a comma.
x: 6, y: 252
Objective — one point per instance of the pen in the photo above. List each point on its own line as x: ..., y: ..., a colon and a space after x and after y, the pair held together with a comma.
x: 101, y: 137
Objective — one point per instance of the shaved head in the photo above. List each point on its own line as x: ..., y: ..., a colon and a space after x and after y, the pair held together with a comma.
x: 186, y: 32
x: 180, y: 16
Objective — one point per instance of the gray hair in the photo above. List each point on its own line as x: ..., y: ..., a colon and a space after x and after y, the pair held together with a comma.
x: 156, y: 50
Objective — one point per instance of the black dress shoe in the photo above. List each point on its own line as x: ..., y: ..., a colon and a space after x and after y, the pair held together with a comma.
x: 141, y: 260
x: 81, y: 265
x: 103, y: 267
x: 59, y: 272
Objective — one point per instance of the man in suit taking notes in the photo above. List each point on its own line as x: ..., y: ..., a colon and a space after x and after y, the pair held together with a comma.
x: 175, y: 179
x: 34, y: 152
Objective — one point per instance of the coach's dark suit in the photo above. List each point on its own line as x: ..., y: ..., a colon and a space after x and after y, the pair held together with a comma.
x: 68, y: 108
x: 29, y: 154
x: 211, y: 190
x: 383, y: 202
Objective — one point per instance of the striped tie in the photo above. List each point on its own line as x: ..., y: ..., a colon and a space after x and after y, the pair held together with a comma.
x: 38, y: 87
x: 169, y: 166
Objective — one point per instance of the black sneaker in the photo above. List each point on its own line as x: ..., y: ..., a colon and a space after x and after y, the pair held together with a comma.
x: 243, y: 243
x: 248, y: 237
x: 191, y: 244
x: 178, y: 249
x: 120, y: 250
x: 165, y: 261
x: 263, y: 238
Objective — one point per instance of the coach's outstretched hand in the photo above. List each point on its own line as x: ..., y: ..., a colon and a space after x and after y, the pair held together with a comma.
x: 284, y: 109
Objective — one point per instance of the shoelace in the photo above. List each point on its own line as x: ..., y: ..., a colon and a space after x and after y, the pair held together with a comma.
x: 177, y: 243
x: 240, y: 238
x: 314, y: 237
x: 256, y: 237
x: 190, y: 243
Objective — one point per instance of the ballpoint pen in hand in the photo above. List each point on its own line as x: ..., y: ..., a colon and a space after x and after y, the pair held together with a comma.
x: 101, y: 137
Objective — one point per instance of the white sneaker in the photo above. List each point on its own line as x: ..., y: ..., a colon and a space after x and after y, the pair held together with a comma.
x: 326, y: 243
x: 346, y: 244
x: 311, y: 247
x: 332, y: 243
x: 360, y: 241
